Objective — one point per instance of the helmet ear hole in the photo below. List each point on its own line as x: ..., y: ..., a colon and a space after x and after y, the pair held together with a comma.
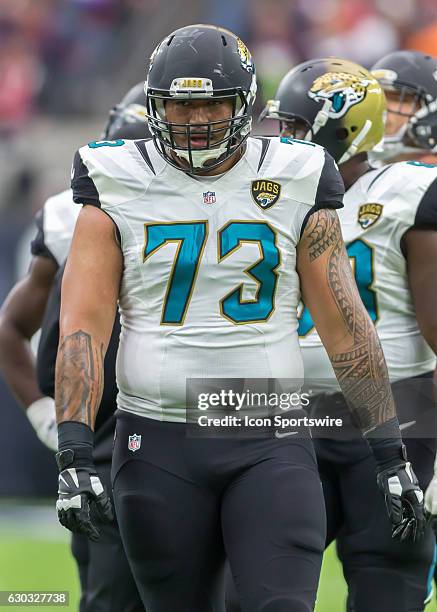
x: 341, y: 133
x: 354, y: 128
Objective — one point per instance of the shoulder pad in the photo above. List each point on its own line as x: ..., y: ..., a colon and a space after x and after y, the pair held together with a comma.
x: 56, y: 222
x: 107, y: 173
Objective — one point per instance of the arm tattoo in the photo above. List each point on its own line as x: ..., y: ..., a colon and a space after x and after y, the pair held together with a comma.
x: 361, y: 370
x: 79, y: 378
x: 323, y: 231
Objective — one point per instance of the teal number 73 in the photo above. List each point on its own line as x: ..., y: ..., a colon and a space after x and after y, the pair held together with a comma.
x: 190, y: 238
x: 361, y: 256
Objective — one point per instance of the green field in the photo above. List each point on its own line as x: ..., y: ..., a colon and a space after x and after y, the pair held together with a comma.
x: 35, y: 555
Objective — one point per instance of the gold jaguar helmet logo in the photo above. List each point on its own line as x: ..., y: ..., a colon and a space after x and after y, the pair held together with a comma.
x: 245, y: 56
x: 343, y: 90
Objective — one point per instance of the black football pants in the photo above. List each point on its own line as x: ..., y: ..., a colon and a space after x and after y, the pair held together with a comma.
x: 105, y: 577
x: 383, y: 575
x: 183, y: 503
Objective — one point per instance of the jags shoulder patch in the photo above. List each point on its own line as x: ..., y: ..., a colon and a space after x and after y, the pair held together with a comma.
x: 368, y: 214
x: 265, y: 193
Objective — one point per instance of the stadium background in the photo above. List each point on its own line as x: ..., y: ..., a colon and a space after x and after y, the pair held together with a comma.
x: 63, y: 64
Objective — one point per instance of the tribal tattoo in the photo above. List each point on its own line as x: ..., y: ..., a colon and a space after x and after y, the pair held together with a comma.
x: 79, y: 378
x: 361, y: 370
x: 323, y: 230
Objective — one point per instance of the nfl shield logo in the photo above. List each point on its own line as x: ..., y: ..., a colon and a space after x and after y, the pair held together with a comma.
x: 209, y: 197
x: 134, y: 443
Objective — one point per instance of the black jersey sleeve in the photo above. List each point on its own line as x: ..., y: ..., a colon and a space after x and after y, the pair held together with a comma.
x: 84, y: 189
x: 38, y: 246
x: 426, y: 214
x: 330, y: 190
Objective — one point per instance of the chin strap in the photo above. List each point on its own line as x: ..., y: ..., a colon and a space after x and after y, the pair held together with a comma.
x: 199, y: 158
x: 356, y: 142
x: 392, y: 146
x: 321, y: 118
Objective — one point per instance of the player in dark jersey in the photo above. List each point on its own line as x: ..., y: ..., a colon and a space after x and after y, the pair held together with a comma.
x: 389, y: 217
x: 105, y: 577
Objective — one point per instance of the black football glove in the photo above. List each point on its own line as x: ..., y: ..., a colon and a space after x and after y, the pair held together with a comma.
x: 404, y: 501
x: 82, y: 497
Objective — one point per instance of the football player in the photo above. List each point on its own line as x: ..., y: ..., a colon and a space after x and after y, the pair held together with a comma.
x: 207, y: 237
x: 35, y: 302
x: 389, y: 224
x: 409, y: 80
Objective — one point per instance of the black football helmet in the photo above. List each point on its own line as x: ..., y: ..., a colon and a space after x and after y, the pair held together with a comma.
x: 200, y: 62
x: 128, y: 119
x: 333, y: 102
x: 413, y: 73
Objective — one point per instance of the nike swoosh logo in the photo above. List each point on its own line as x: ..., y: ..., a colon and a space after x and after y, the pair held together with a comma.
x: 406, y: 425
x: 285, y: 434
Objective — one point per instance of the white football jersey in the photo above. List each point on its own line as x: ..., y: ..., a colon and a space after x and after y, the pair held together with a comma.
x: 209, y: 286
x: 55, y: 222
x: 378, y: 209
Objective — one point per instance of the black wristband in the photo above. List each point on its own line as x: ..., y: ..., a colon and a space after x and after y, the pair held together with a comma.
x: 78, y: 438
x: 386, y: 444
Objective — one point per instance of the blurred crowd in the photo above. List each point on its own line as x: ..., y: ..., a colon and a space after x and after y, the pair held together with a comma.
x: 68, y: 60
x: 56, y: 54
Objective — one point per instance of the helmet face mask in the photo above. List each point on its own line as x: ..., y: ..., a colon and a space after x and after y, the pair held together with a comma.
x: 297, y: 128
x: 404, y: 97
x: 402, y: 106
x: 290, y: 125
x: 224, y: 73
x: 410, y: 80
x: 223, y: 136
x: 334, y: 103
